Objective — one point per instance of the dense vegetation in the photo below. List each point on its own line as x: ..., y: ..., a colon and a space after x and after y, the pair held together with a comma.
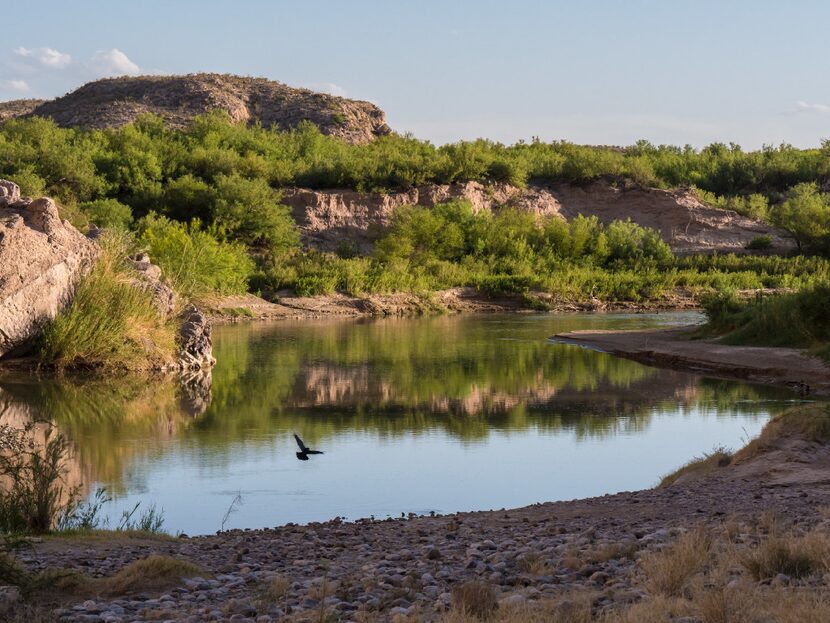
x: 799, y: 319
x: 206, y: 203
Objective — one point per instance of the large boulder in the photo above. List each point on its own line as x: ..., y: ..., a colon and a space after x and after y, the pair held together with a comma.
x: 41, y: 260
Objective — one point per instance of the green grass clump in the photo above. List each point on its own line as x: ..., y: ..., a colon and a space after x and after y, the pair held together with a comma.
x: 109, y: 322
x: 800, y: 319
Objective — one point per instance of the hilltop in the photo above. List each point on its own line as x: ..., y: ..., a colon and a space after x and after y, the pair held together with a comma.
x: 115, y: 102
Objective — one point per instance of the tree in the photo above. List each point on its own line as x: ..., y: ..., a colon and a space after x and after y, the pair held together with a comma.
x: 806, y: 216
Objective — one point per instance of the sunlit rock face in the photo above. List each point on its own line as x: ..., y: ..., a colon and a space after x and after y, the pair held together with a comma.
x: 41, y: 260
x: 327, y: 218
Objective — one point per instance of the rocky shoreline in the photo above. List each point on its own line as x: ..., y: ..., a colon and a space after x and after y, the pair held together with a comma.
x: 409, y: 569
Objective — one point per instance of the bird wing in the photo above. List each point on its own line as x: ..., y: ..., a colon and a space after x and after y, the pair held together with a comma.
x: 314, y: 452
x: 300, y: 443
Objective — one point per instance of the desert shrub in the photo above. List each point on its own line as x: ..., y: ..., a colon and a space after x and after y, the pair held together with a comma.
x: 800, y: 319
x: 759, y: 243
x: 32, y: 464
x: 108, y: 213
x: 776, y: 554
x: 198, y: 262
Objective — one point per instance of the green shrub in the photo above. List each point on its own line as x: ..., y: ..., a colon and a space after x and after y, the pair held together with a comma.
x: 196, y: 261
x: 760, y: 243
x: 108, y: 213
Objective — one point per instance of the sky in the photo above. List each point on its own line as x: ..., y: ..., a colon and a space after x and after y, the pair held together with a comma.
x: 752, y: 72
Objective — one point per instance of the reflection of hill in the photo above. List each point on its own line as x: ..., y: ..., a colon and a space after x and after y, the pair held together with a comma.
x: 466, y: 376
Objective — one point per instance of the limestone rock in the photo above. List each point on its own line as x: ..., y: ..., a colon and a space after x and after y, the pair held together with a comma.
x: 149, y: 279
x: 41, y: 260
x: 685, y: 222
x: 9, y: 193
x: 195, y: 343
x: 114, y: 102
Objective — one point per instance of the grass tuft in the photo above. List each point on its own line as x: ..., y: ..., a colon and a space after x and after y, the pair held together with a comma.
x: 109, y: 323
x: 150, y: 573
x: 669, y: 571
x: 699, y: 466
x: 476, y: 599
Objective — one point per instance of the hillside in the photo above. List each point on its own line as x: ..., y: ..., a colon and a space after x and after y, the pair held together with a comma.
x: 115, y: 102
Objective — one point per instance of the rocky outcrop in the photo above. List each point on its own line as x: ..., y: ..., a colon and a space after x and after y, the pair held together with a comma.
x: 195, y: 342
x: 148, y: 278
x: 18, y: 108
x: 114, y: 102
x: 41, y: 260
x: 328, y: 218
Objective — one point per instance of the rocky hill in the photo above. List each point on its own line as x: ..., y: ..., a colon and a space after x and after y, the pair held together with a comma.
x: 114, y: 102
x: 327, y: 218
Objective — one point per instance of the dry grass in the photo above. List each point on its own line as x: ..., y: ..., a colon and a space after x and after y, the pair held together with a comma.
x: 612, y: 551
x: 572, y: 609
x: 810, y: 422
x: 699, y: 466
x: 475, y: 599
x: 153, y: 572
x: 534, y: 564
x: 669, y: 571
x: 794, y: 556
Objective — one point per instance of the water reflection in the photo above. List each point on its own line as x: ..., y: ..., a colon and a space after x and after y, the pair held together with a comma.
x: 490, y: 385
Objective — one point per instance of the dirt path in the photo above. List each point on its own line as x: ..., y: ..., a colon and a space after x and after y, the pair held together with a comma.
x: 673, y: 348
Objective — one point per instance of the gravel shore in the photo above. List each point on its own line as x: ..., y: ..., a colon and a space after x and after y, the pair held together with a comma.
x: 406, y: 569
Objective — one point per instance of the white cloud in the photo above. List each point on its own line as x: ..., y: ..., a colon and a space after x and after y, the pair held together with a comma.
x: 819, y: 108
x: 113, y: 63
x: 21, y: 86
x: 48, y: 57
x: 327, y: 87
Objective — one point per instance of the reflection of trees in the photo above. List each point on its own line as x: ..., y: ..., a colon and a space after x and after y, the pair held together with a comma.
x: 101, y: 416
x: 387, y: 378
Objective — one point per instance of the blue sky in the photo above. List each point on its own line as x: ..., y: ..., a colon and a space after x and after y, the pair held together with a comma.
x: 606, y: 72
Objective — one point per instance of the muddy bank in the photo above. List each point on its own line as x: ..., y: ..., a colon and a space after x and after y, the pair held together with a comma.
x: 407, y: 569
x: 453, y: 301
x: 674, y: 348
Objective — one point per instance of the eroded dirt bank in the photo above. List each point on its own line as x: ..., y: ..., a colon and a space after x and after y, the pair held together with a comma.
x: 674, y: 348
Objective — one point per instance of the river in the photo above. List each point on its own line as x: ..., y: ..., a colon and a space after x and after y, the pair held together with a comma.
x: 442, y: 414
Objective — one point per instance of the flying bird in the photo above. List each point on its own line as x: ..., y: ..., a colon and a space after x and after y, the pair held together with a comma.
x: 304, y: 450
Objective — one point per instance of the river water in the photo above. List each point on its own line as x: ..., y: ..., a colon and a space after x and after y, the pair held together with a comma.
x: 414, y: 415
